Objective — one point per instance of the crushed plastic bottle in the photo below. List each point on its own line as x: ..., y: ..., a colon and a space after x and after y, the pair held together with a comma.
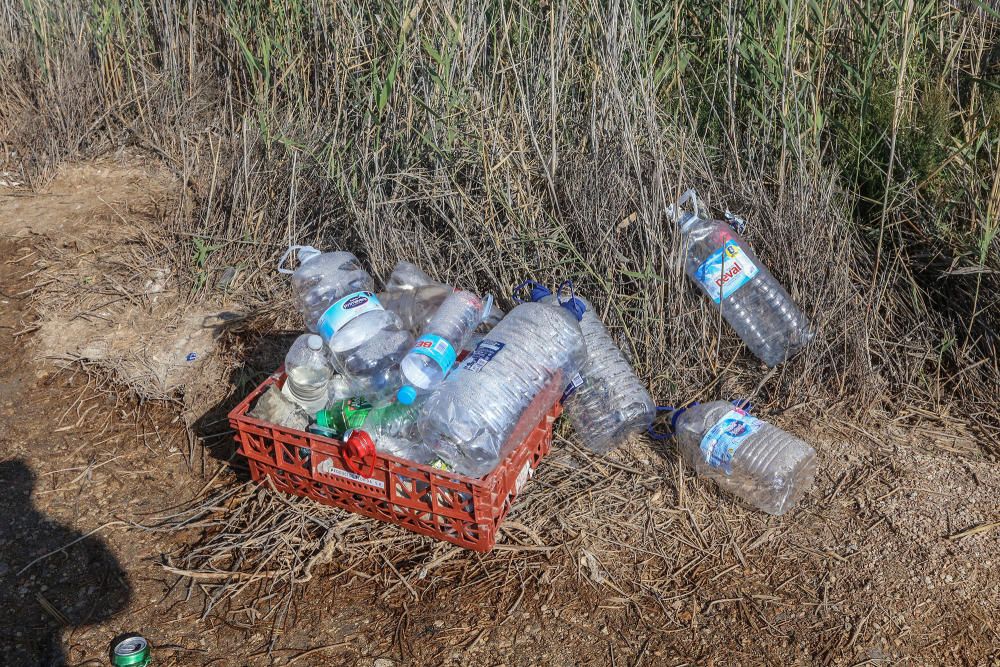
x: 274, y: 408
x: 753, y: 460
x: 752, y: 300
x: 611, y: 404
x: 415, y: 297
x: 477, y: 414
x: 336, y: 299
x: 308, y: 374
x: 434, y: 353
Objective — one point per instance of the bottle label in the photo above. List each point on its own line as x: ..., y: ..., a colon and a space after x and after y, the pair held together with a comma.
x: 571, y: 388
x: 483, y: 354
x: 345, y: 310
x: 438, y: 349
x: 729, y: 433
x: 725, y: 271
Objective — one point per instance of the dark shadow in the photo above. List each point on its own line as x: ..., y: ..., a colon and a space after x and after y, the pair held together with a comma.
x: 80, y: 584
x: 265, y: 352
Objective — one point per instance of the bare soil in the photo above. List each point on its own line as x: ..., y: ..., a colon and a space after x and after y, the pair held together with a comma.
x: 892, y: 559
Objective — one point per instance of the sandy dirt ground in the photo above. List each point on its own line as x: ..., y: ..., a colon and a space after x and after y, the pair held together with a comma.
x: 894, y: 558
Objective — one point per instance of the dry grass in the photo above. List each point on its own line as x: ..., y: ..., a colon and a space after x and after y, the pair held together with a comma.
x: 490, y: 142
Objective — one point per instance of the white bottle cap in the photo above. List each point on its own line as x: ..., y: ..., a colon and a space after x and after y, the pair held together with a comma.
x: 314, y: 342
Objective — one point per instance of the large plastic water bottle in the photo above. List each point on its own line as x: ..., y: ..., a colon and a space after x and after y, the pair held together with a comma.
x: 753, y: 460
x: 336, y: 299
x: 415, y: 297
x: 434, y: 353
x: 470, y: 420
x: 307, y: 374
x: 752, y: 301
x: 612, y: 404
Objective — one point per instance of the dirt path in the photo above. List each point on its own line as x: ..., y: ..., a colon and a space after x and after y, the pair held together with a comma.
x: 893, y: 558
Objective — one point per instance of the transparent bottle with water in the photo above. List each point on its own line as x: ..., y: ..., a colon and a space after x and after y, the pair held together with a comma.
x: 434, y: 353
x: 336, y: 299
x: 307, y: 373
x: 503, y: 389
x: 751, y: 299
x: 755, y: 461
x: 611, y: 404
x: 415, y: 297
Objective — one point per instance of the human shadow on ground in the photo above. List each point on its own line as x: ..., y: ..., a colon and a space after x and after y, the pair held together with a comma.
x: 52, y: 577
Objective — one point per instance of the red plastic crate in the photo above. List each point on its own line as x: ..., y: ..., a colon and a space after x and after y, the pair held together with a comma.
x: 441, y: 504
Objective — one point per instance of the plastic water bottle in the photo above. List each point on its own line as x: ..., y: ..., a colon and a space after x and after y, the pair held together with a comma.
x: 753, y: 460
x: 415, y: 297
x: 366, y: 342
x: 474, y: 417
x: 308, y: 374
x: 434, y: 353
x: 752, y: 301
x: 612, y: 404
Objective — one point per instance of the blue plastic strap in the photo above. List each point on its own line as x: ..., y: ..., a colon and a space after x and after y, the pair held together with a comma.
x: 651, y: 431
x: 538, y: 290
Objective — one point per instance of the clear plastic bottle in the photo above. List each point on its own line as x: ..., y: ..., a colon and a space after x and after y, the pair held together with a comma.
x: 415, y: 297
x: 753, y: 460
x: 434, y: 353
x: 308, y: 374
x: 471, y: 419
x: 366, y: 342
x: 752, y: 300
x: 612, y: 404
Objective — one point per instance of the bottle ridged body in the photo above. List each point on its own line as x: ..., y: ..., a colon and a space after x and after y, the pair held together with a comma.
x: 761, y: 312
x: 770, y: 470
x: 468, y: 419
x: 612, y: 404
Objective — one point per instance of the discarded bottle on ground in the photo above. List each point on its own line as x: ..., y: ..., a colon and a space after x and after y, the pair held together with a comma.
x: 307, y: 374
x: 415, y: 297
x: 612, y: 403
x: 471, y: 419
x: 753, y: 460
x: 752, y: 301
x: 434, y: 353
x: 336, y: 299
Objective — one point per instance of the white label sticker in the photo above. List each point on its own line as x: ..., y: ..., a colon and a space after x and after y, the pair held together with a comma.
x: 725, y: 271
x: 326, y: 467
x: 722, y: 440
x: 345, y: 310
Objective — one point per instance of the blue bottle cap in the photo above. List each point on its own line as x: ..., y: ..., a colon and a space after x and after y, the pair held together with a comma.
x: 539, y: 292
x: 574, y: 306
x: 406, y: 395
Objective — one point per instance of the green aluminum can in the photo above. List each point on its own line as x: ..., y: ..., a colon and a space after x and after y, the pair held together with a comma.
x: 131, y: 650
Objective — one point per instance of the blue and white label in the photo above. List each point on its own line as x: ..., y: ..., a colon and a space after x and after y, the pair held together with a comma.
x: 722, y: 440
x: 438, y: 349
x: 483, y: 354
x: 725, y: 271
x: 345, y: 310
x: 571, y: 388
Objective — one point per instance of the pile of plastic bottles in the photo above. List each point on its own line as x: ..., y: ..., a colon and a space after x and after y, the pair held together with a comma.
x: 440, y: 376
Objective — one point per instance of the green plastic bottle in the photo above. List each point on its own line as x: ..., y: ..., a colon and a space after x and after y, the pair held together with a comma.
x: 355, y: 413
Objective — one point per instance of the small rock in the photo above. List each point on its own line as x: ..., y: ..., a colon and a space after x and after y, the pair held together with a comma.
x: 383, y: 662
x: 439, y: 623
